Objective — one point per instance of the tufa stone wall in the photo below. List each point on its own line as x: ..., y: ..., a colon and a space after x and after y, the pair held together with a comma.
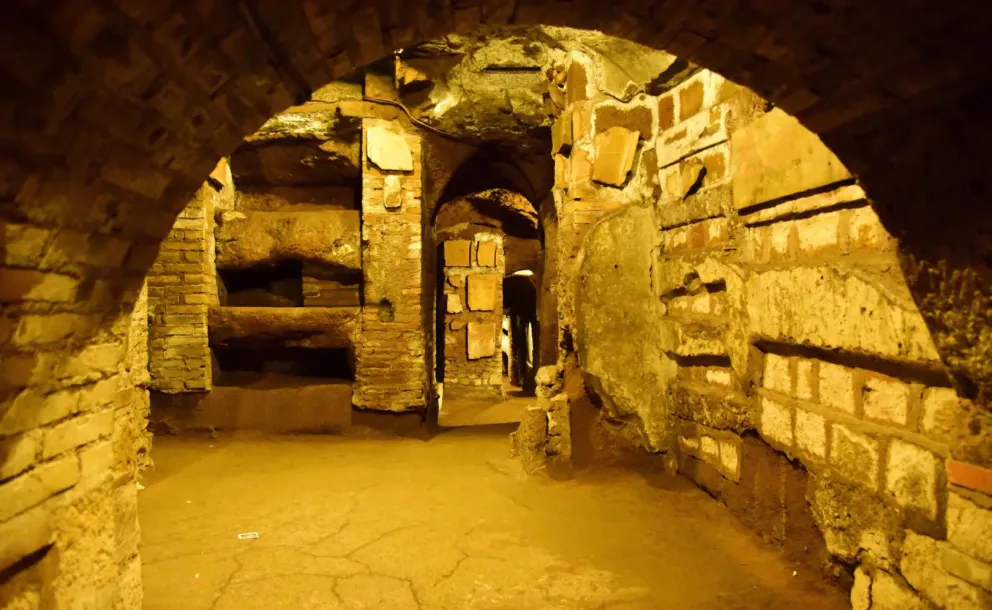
x: 390, y: 370
x: 771, y: 303
x: 473, y: 302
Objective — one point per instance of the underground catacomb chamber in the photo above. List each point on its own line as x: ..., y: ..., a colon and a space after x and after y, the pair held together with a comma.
x: 659, y: 283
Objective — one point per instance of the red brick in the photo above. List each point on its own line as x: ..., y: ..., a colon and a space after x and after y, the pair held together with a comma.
x: 970, y: 476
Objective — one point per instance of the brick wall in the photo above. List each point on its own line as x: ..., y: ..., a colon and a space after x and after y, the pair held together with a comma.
x: 777, y: 278
x: 473, y: 306
x: 182, y: 285
x: 390, y: 369
x: 771, y: 305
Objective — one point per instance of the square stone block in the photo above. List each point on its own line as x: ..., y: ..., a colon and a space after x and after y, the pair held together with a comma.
x: 485, y: 253
x: 481, y: 340
x: 482, y: 292
x: 456, y: 253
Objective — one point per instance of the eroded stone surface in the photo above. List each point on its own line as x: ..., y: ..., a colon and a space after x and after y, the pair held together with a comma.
x: 256, y: 238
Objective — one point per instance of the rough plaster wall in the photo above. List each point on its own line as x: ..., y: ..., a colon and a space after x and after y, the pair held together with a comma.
x: 617, y: 326
x: 780, y: 308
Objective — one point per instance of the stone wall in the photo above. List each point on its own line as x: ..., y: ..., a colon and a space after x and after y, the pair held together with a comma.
x: 390, y: 369
x: 768, y: 303
x: 72, y: 442
x: 473, y: 305
x: 182, y: 285
x: 105, y: 148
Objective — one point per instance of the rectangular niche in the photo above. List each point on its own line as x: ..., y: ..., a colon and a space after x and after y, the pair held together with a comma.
x: 329, y: 286
x: 276, y: 285
x: 243, y: 365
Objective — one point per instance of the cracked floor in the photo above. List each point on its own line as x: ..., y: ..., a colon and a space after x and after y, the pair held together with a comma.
x: 447, y: 523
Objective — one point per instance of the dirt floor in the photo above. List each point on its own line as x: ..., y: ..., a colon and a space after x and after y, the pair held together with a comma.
x: 448, y: 523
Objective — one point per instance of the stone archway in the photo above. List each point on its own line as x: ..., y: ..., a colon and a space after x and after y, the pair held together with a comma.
x: 125, y: 107
x: 117, y: 112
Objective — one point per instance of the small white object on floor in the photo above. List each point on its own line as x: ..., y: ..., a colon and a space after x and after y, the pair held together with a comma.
x: 189, y: 501
x: 140, y: 486
x: 248, y: 536
x: 794, y: 572
x: 198, y: 576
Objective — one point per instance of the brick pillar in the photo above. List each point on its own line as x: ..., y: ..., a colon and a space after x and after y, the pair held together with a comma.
x: 390, y: 370
x: 182, y: 284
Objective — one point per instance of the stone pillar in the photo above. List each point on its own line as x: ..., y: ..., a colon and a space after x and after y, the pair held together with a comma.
x: 182, y: 284
x: 390, y: 373
x: 473, y: 288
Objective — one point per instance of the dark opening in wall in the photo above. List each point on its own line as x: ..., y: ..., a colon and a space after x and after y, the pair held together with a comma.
x: 278, y: 285
x: 240, y: 365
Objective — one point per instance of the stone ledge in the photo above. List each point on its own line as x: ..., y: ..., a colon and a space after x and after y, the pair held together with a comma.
x: 310, y: 327
x: 326, y: 236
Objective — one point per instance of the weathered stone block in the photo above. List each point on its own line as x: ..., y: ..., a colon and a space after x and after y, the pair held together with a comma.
x: 528, y: 442
x: 819, y: 234
x: 855, y: 456
x: 777, y: 376
x: 482, y: 290
x: 615, y: 149
x: 388, y: 150
x: 968, y: 569
x: 485, y: 253
x: 37, y: 486
x: 730, y: 458
x: 911, y: 477
x: 78, y: 431
x: 969, y: 527
x: 840, y: 308
x: 928, y: 566
x: 20, y: 453
x: 861, y: 591
x: 261, y: 327
x: 248, y: 239
x: 481, y: 340
x: 23, y: 535
x: 811, y: 433
x: 837, y: 387
x: 776, y: 422
x: 888, y: 593
x: 940, y: 406
x: 456, y: 253
x: 886, y: 400
x: 776, y: 156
